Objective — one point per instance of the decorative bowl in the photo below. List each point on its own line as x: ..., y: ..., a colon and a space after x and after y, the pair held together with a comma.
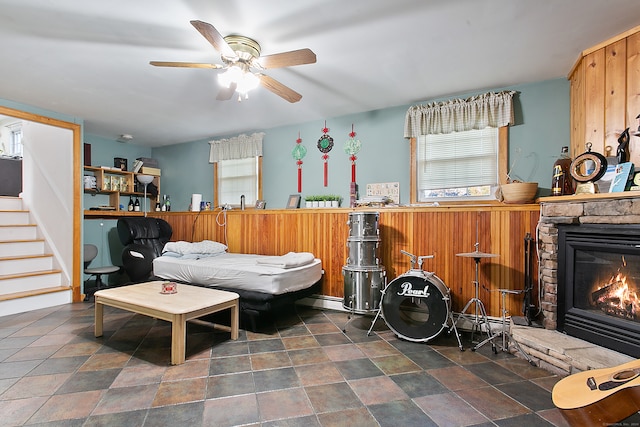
x: 519, y: 192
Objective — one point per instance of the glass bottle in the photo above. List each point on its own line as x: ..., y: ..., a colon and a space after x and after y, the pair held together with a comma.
x: 136, y: 205
x: 561, y: 181
x: 168, y: 203
x: 164, y: 203
x: 130, y: 206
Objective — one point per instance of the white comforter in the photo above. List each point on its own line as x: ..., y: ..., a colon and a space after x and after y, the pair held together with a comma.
x: 241, y: 271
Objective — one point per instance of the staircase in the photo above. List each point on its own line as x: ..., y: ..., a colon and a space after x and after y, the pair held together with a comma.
x: 28, y: 277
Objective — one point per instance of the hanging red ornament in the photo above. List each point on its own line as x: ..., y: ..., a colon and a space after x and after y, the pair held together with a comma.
x: 298, y: 153
x: 352, y: 147
x: 325, y: 144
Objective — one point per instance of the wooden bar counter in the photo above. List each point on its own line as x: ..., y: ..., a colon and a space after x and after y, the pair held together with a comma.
x: 442, y: 231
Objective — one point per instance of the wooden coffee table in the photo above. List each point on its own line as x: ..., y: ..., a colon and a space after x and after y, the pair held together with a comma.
x: 190, y: 302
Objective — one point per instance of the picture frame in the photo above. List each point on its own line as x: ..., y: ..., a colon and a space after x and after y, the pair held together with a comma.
x: 261, y: 204
x: 294, y: 201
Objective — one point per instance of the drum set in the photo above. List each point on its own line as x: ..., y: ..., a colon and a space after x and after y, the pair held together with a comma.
x: 416, y: 305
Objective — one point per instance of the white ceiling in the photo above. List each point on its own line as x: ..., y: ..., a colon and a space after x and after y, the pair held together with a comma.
x: 90, y: 58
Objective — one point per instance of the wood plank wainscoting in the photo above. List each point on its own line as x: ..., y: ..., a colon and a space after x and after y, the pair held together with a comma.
x: 442, y: 231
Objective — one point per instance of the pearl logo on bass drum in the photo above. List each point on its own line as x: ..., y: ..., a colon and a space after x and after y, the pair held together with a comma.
x: 406, y: 289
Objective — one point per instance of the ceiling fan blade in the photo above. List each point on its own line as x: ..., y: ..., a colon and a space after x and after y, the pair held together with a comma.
x: 226, y: 92
x: 184, y: 64
x: 280, y: 89
x: 214, y: 37
x: 288, y: 59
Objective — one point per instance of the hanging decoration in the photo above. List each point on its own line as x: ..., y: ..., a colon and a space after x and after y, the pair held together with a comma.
x: 325, y: 144
x: 298, y: 153
x: 352, y: 147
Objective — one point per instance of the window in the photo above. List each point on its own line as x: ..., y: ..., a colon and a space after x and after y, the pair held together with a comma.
x: 237, y: 169
x: 457, y: 165
x: 459, y: 147
x: 235, y: 178
x: 15, y: 142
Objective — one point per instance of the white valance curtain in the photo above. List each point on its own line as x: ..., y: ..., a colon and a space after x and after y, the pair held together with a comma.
x: 239, y: 147
x: 457, y: 115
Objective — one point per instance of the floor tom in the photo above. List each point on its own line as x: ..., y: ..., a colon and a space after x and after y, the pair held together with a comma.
x: 363, y: 288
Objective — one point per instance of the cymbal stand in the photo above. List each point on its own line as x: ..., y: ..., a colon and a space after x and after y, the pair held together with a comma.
x: 480, y: 313
x: 504, y: 332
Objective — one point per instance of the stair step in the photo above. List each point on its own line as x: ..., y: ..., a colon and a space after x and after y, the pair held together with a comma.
x: 29, y: 282
x: 25, y: 264
x: 21, y: 247
x: 9, y: 203
x: 18, y: 231
x: 14, y: 217
x: 21, y: 302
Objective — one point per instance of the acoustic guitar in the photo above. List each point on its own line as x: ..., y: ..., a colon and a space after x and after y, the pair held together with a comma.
x: 599, y: 396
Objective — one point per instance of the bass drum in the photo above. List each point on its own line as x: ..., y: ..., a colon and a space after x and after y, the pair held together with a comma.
x: 416, y: 306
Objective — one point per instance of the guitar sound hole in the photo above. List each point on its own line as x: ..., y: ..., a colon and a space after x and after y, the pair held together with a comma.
x: 624, y: 375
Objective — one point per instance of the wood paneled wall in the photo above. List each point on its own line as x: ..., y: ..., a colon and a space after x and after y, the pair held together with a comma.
x: 440, y: 231
x: 605, y: 95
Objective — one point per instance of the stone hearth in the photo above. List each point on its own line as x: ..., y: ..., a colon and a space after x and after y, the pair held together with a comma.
x: 552, y: 350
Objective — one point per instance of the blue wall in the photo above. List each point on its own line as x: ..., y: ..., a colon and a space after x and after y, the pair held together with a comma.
x: 542, y: 112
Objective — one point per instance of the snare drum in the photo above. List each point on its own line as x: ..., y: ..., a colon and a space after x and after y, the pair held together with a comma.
x: 363, y: 288
x: 363, y: 252
x: 416, y: 306
x: 363, y: 224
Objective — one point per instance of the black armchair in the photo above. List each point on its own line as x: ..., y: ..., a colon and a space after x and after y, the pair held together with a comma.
x: 143, y: 239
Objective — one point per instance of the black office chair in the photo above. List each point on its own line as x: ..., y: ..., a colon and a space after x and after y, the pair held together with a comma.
x: 90, y: 253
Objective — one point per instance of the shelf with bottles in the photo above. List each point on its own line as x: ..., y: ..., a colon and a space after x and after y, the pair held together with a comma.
x: 117, y: 183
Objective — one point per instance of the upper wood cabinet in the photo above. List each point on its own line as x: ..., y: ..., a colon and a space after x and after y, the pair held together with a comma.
x: 605, y: 96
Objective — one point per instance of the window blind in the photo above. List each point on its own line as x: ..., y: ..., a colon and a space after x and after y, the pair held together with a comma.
x: 458, y: 159
x: 237, y: 177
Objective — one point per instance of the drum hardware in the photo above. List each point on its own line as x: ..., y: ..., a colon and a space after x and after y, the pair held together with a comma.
x: 480, y: 314
x: 416, y: 305
x: 504, y: 332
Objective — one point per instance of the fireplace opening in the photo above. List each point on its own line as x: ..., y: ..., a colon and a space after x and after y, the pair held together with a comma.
x: 599, y: 285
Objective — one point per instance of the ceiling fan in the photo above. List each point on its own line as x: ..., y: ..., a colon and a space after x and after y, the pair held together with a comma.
x: 243, y: 64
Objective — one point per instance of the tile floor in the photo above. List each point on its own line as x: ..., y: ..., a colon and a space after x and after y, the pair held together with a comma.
x: 300, y: 370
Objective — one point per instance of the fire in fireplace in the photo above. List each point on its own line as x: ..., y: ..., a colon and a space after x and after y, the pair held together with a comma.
x: 599, y: 284
x: 616, y: 297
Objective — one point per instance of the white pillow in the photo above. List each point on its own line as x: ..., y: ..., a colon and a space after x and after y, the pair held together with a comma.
x: 203, y: 247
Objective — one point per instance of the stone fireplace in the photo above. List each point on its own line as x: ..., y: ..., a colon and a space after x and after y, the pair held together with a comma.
x: 548, y: 345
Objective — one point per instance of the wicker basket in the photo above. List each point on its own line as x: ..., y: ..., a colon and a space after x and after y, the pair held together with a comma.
x: 519, y: 192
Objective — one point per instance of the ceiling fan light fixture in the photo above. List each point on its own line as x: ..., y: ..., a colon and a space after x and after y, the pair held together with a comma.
x: 232, y: 75
x: 249, y: 81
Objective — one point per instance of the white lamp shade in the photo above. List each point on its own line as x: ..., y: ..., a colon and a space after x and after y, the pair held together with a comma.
x: 145, y: 179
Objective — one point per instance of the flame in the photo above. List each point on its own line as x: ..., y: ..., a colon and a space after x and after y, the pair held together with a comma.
x: 620, y: 298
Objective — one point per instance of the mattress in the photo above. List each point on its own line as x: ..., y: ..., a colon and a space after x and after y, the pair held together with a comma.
x: 238, y: 271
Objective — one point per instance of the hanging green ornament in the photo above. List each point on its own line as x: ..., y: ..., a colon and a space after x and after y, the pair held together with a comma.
x: 298, y: 153
x: 352, y: 147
